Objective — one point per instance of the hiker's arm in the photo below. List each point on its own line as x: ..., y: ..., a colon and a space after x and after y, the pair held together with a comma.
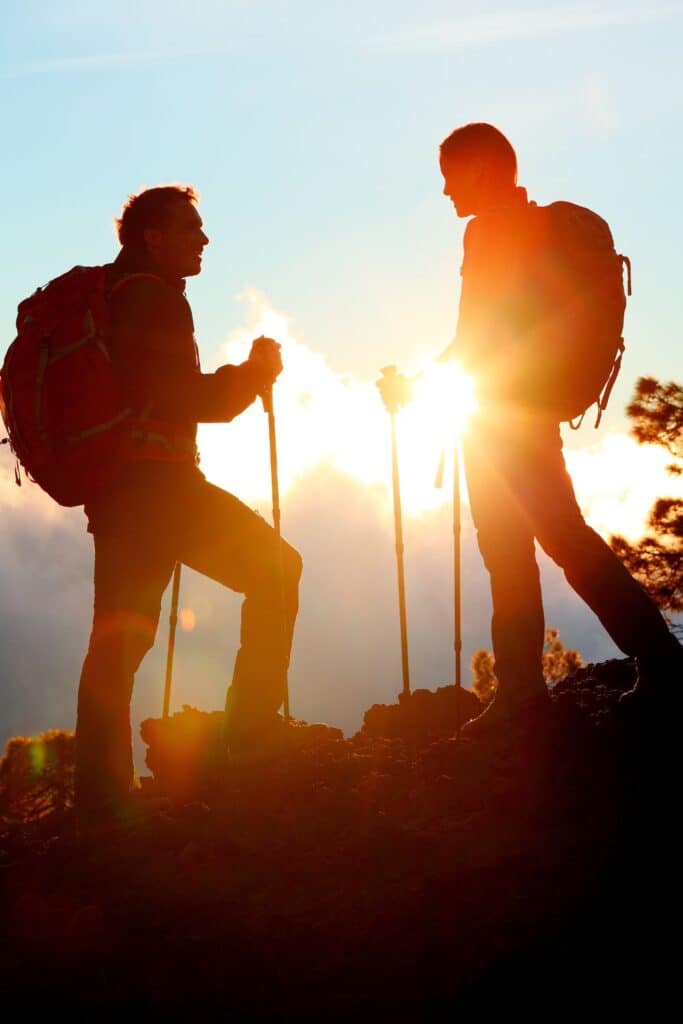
x: 239, y: 385
x: 464, y: 345
x: 154, y: 349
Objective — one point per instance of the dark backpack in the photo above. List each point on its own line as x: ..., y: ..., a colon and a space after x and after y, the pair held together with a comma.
x: 577, y: 310
x: 60, y: 397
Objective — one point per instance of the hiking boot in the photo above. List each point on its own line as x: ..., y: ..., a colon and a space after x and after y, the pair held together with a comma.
x: 506, y: 712
x: 659, y: 677
x: 276, y: 737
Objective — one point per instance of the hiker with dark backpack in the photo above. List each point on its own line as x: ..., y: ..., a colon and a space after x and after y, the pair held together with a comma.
x: 540, y: 329
x: 102, y: 392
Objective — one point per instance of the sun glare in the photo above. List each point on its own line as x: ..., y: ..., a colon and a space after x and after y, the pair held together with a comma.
x: 444, y: 396
x: 325, y: 418
x: 427, y: 428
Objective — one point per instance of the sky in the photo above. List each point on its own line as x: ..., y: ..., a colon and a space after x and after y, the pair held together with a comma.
x: 311, y: 131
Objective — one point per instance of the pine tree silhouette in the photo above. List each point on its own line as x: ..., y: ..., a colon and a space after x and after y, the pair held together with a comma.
x: 656, y: 560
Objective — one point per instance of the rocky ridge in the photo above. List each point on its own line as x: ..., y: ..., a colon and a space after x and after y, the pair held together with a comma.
x: 400, y: 873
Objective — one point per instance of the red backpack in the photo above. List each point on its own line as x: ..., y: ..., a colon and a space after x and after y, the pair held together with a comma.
x: 578, y: 301
x: 60, y: 397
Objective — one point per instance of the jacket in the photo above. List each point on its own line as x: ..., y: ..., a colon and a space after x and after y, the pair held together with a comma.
x: 153, y: 347
x: 496, y: 308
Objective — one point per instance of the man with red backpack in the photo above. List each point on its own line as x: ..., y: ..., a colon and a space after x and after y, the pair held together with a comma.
x: 539, y: 328
x: 158, y: 508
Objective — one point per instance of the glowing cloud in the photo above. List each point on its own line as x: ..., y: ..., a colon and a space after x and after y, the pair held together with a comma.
x: 337, y: 420
x: 331, y: 419
x: 617, y: 481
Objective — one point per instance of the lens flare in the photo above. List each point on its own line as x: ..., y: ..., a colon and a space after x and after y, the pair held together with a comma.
x: 37, y: 757
x: 187, y: 619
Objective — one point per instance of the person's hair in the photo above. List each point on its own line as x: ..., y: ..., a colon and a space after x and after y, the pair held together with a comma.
x: 483, y: 140
x: 149, y: 209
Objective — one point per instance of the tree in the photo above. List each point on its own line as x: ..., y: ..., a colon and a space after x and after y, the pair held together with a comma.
x: 484, y: 682
x: 656, y: 560
x: 558, y: 663
x: 37, y: 775
x: 657, y: 414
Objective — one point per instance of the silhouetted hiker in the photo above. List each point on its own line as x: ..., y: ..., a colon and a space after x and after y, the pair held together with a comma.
x: 160, y: 508
x: 519, y: 488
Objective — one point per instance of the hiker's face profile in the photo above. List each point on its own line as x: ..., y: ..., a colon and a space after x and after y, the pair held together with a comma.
x: 178, y: 245
x: 463, y: 184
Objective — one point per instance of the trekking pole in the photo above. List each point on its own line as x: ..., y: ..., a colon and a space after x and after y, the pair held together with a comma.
x: 267, y: 399
x: 457, y: 585
x: 392, y: 404
x: 172, y: 623
x: 457, y: 573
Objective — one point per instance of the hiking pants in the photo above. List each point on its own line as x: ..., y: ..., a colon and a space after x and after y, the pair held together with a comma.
x: 137, y: 545
x: 520, y: 492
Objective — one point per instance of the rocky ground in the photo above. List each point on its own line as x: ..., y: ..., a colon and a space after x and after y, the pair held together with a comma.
x: 399, y: 874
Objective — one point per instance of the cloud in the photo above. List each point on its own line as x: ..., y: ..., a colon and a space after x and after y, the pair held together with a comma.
x: 94, y: 62
x: 516, y: 25
x: 45, y: 604
x: 324, y: 418
x: 617, y: 480
x: 332, y: 420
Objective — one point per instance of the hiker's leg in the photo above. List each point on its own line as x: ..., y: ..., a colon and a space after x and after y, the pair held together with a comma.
x: 506, y: 543
x: 230, y: 543
x: 630, y: 617
x: 130, y: 578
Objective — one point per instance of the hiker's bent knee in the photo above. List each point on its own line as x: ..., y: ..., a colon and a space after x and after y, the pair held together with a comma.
x: 123, y: 636
x: 570, y: 542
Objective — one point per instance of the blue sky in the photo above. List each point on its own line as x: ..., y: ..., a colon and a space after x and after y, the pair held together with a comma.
x: 311, y: 131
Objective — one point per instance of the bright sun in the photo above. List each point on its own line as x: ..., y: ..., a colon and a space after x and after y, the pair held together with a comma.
x: 444, y: 399
x: 427, y: 428
x: 326, y: 418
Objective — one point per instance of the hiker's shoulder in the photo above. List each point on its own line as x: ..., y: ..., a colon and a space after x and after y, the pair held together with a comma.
x: 499, y: 233
x: 141, y: 293
x: 134, y: 272
x: 502, y: 220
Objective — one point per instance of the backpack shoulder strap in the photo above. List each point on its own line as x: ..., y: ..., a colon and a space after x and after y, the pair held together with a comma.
x: 133, y: 277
